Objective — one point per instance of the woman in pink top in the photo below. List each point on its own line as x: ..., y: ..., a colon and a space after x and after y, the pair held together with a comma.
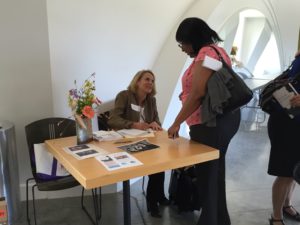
x: 195, y: 38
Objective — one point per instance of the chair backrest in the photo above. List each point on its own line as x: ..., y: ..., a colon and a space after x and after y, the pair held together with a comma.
x: 103, y: 121
x: 104, y: 114
x: 45, y: 129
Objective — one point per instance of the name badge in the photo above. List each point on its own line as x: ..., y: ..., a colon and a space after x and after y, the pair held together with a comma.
x: 136, y: 107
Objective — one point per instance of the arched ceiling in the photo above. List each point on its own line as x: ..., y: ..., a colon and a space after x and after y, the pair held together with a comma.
x: 217, y: 13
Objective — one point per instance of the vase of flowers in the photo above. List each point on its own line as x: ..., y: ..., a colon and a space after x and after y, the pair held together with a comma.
x: 82, y: 102
x: 84, y: 131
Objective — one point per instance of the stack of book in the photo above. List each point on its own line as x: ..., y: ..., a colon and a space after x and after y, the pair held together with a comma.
x: 103, y: 135
x: 111, y: 135
x: 283, y: 96
x: 132, y: 133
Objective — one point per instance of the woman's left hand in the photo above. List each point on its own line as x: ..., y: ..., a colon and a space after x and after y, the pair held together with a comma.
x: 173, y: 131
x: 295, y: 101
x: 155, y: 126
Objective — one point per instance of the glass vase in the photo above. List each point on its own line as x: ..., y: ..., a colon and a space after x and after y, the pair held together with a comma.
x: 84, y: 131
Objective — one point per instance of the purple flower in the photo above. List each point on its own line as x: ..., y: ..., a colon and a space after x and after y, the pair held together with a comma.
x: 73, y: 93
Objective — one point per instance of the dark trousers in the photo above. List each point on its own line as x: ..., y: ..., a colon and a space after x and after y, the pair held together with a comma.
x: 155, y: 188
x: 211, y: 174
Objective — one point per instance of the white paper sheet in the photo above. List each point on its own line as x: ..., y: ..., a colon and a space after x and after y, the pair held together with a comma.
x: 118, y: 160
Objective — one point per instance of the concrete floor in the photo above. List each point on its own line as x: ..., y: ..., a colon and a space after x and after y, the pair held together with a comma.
x: 248, y: 192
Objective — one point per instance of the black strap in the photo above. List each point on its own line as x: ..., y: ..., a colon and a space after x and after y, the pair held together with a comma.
x: 219, y: 54
x: 221, y: 58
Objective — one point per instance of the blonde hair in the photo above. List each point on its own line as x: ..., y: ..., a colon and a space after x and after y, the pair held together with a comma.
x: 133, y: 84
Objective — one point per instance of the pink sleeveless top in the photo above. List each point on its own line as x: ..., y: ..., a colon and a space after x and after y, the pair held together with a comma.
x: 186, y: 81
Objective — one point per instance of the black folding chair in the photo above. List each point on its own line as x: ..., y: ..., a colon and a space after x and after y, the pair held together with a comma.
x: 38, y: 132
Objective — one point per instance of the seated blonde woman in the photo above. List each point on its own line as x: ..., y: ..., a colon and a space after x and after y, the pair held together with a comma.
x: 136, y: 108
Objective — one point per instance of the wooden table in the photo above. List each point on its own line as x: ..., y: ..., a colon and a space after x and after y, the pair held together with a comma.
x: 171, y: 154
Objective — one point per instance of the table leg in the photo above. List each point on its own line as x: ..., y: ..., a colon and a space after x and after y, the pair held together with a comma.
x: 126, y: 202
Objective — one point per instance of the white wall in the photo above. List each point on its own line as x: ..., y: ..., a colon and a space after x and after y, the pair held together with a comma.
x: 25, y: 78
x: 113, y: 38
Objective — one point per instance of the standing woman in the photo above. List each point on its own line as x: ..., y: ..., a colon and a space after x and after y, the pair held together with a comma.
x: 195, y: 38
x: 136, y: 108
x: 285, y: 154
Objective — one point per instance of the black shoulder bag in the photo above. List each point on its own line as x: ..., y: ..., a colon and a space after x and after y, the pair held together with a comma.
x: 240, y: 92
x: 267, y: 102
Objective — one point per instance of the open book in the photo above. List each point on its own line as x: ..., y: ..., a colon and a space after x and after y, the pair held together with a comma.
x: 283, y: 96
x: 130, y: 133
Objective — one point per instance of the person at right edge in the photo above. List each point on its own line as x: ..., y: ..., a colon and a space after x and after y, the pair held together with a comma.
x: 284, y: 155
x: 195, y: 38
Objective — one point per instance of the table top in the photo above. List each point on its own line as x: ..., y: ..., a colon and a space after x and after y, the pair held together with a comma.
x: 258, y: 82
x: 172, y: 154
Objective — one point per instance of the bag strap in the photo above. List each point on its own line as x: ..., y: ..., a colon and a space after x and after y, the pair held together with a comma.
x: 219, y: 54
x: 221, y: 58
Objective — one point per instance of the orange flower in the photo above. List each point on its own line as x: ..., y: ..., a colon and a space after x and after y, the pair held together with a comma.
x: 88, y: 111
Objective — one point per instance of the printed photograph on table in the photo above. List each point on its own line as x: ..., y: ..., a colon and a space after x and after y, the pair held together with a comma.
x: 125, y: 159
x: 109, y: 163
x: 78, y: 147
x: 85, y: 151
x: 118, y: 160
x: 138, y: 146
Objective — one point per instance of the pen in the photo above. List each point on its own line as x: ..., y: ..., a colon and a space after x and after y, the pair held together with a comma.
x: 122, y: 142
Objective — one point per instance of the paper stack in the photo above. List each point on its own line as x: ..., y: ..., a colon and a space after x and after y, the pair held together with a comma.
x: 133, y: 133
x: 103, y: 135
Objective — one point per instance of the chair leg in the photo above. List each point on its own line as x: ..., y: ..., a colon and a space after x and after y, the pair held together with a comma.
x: 100, y: 203
x: 98, y: 198
x: 33, y: 202
x: 143, y: 183
x: 97, y: 205
x: 98, y: 212
x: 27, y: 200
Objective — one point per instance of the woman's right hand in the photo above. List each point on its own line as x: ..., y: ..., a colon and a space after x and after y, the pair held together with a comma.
x: 155, y: 126
x: 140, y: 126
